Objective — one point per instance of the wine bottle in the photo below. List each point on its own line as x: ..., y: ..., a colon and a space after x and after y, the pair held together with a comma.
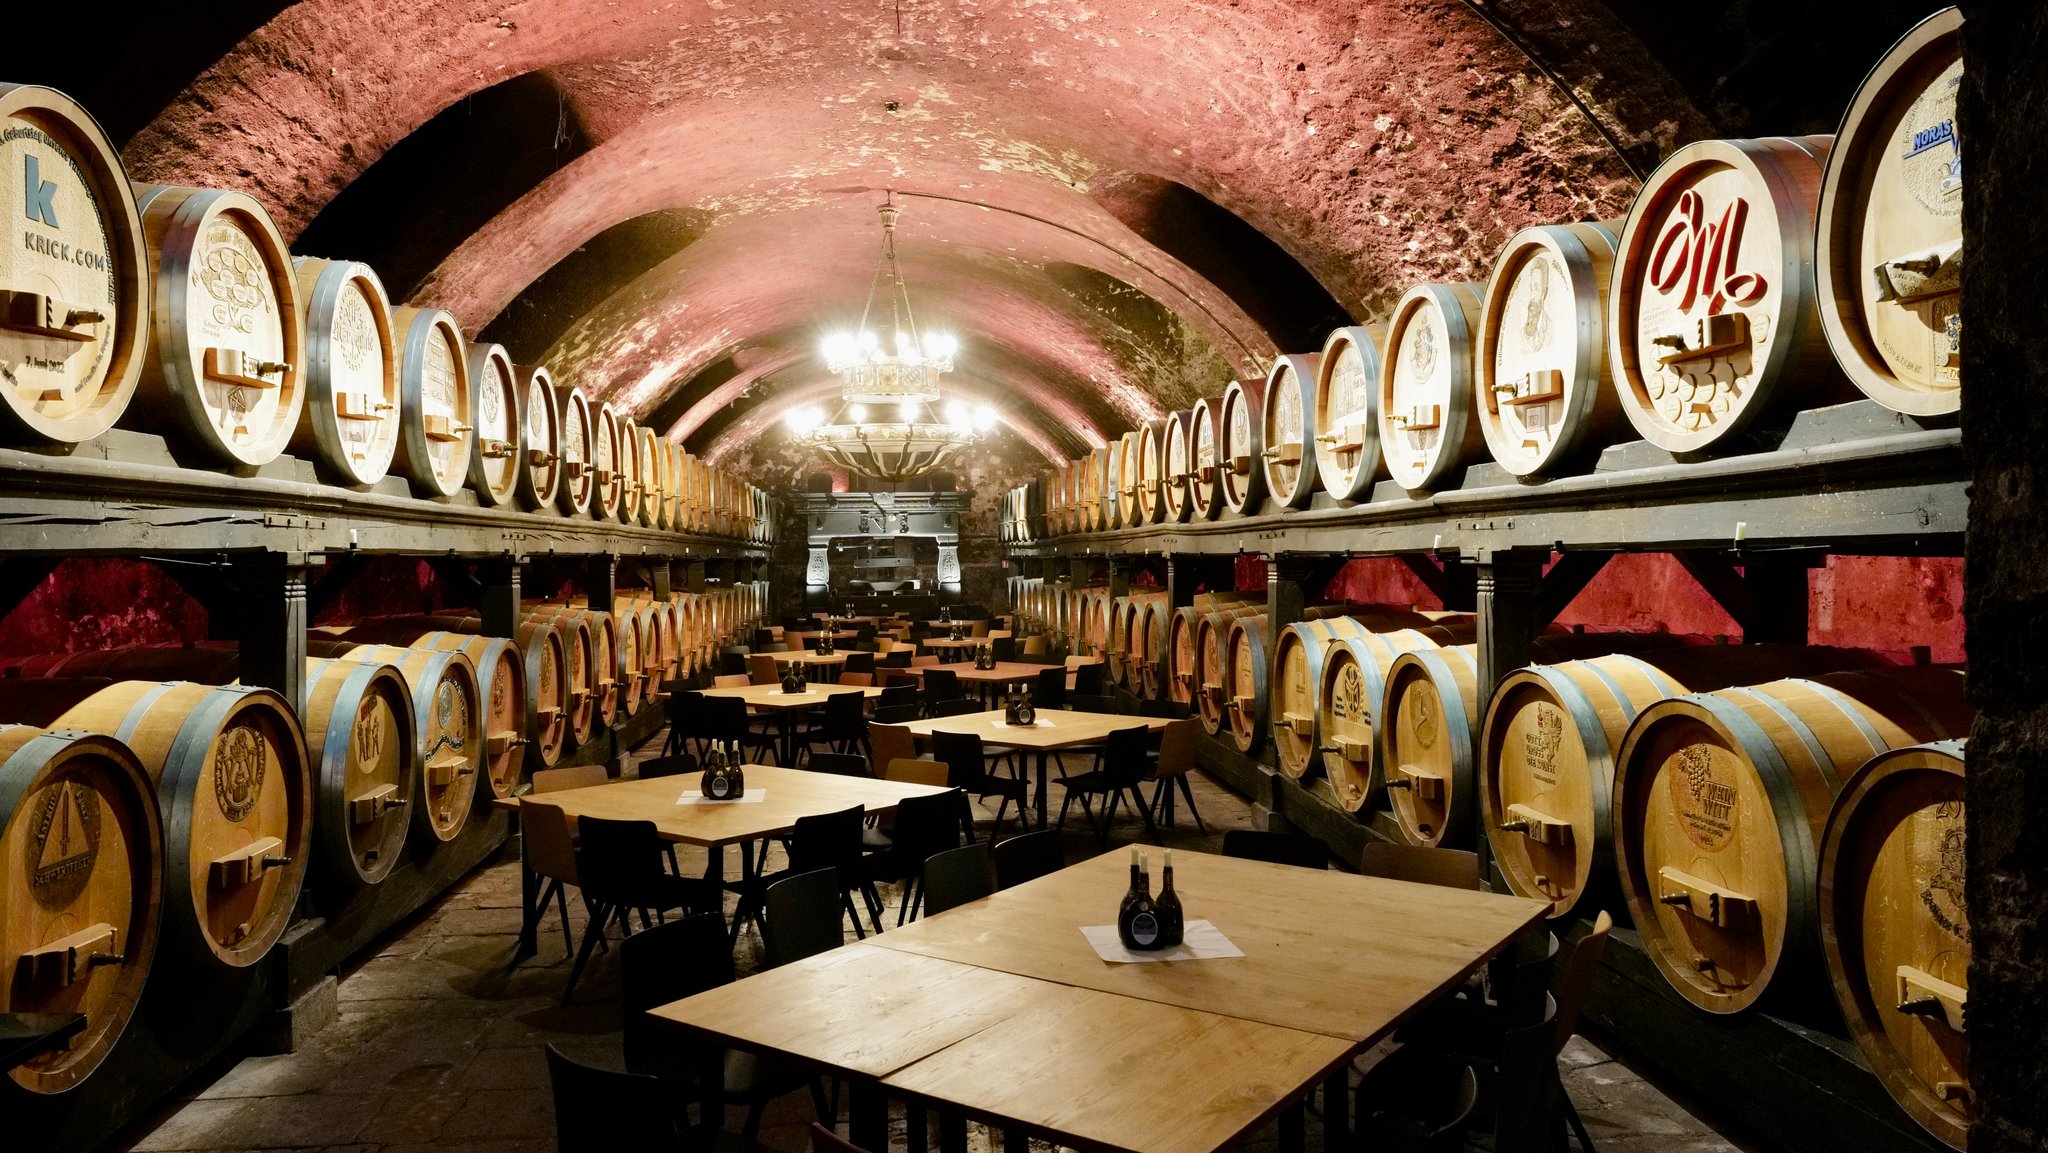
x: 1137, y: 922
x: 735, y: 775
x: 1171, y: 924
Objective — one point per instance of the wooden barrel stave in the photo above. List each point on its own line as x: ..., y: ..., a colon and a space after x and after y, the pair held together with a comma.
x: 227, y: 350
x: 1719, y: 806
x: 436, y: 438
x: 1247, y: 652
x: 1287, y: 437
x: 349, y: 424
x: 1895, y: 929
x: 495, y: 465
x: 78, y: 291
x: 79, y: 919
x: 1428, y: 430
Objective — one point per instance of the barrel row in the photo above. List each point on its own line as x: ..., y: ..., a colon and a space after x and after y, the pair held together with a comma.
x: 180, y: 311
x: 1749, y: 280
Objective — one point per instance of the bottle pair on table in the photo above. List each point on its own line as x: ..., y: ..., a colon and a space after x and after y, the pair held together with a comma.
x: 1145, y: 924
x: 723, y: 778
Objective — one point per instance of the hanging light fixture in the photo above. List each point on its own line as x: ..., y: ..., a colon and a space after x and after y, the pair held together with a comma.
x: 890, y: 424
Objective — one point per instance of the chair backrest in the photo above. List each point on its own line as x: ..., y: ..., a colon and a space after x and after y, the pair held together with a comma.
x: 603, y: 1111
x: 863, y: 679
x: 958, y: 706
x: 723, y: 719
x: 860, y: 662
x: 1036, y: 646
x: 614, y: 856
x: 824, y: 1140
x: 1028, y: 857
x: 941, y: 684
x: 828, y: 841
x: 1091, y: 703
x: 924, y: 662
x: 668, y: 962
x: 1278, y: 848
x: 733, y: 662
x: 898, y: 657
x: 978, y: 629
x: 679, y: 708
x: 1125, y: 755
x: 1171, y: 710
x: 1049, y: 687
x: 732, y: 680
x: 573, y: 777
x: 897, y: 690
x: 888, y: 739
x: 915, y: 771
x: 1576, y: 976
x: 667, y: 766
x: 550, y: 846
x: 776, y: 647
x: 1176, y: 748
x: 761, y: 669
x: 1088, y: 679
x: 845, y: 716
x: 966, y: 763
x: 803, y: 917
x: 957, y: 876
x: 927, y: 826
x: 838, y: 764
x: 1451, y: 868
x: 892, y: 714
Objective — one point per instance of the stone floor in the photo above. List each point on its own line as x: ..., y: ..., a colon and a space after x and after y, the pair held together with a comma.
x: 439, y: 1042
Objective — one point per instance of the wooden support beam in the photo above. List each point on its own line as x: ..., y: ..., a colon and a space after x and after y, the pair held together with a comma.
x: 271, y: 615
x: 1428, y: 571
x: 332, y: 580
x: 500, y: 595
x: 1563, y: 583
x: 461, y: 584
x: 20, y: 576
x: 1767, y: 595
x: 601, y: 581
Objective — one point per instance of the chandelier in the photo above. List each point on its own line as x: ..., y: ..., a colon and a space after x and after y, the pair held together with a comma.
x: 890, y: 424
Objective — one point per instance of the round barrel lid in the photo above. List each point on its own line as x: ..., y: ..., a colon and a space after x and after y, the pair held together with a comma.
x: 1347, y: 440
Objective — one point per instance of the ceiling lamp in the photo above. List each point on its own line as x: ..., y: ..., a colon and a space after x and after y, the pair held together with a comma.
x: 890, y: 424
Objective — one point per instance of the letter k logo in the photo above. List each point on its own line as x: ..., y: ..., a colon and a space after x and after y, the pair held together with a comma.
x: 39, y: 196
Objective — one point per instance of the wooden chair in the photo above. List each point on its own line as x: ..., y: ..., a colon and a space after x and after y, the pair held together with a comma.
x: 1451, y: 868
x: 925, y: 827
x: 761, y: 669
x: 1049, y: 688
x: 1035, y: 646
x: 1170, y: 767
x: 1087, y: 677
x: 666, y: 766
x: 1417, y: 1101
x: 916, y: 771
x: 838, y: 764
x: 1028, y: 857
x: 967, y: 765
x: 924, y: 662
x: 823, y: 841
x: 1277, y: 848
x: 863, y: 679
x: 732, y: 680
x: 824, y: 1140
x: 891, y: 741
x: 957, y: 876
x: 550, y: 849
x: 572, y: 777
x: 803, y: 917
x: 956, y: 707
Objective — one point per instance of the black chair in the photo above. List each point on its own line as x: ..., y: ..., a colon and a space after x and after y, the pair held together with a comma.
x: 1028, y: 857
x: 803, y: 917
x: 733, y: 661
x: 667, y: 766
x: 824, y: 841
x: 603, y: 1111
x: 860, y: 662
x: 896, y: 714
x: 925, y: 827
x: 684, y: 713
x: 1091, y: 703
x: 940, y: 685
x: 958, y: 706
x: 619, y: 865
x: 681, y: 959
x: 1124, y: 763
x: 957, y: 876
x: 1003, y: 648
x: 842, y: 725
x: 1416, y: 1101
x: 896, y: 694
x: 1451, y: 868
x: 1170, y: 710
x: 1049, y: 688
x: 1277, y: 848
x: 897, y: 658
x: 725, y: 720
x: 967, y: 770
x: 1088, y: 679
x: 839, y: 764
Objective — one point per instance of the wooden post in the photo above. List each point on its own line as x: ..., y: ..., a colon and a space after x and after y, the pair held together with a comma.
x: 601, y: 582
x: 1779, y: 599
x: 660, y: 580
x: 271, y: 618
x: 1504, y: 583
x: 500, y: 577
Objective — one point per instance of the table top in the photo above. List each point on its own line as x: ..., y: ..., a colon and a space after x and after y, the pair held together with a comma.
x: 1056, y: 729
x: 963, y: 622
x: 837, y: 619
x: 772, y: 696
x: 1003, y: 673
x: 807, y: 656
x: 945, y: 643
x: 792, y: 793
x: 1325, y: 952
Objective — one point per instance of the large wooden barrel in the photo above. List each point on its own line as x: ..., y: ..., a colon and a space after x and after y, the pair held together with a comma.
x: 1174, y: 466
x: 227, y: 349
x: 1112, y: 485
x: 1130, y: 511
x: 1129, y: 625
x: 436, y: 438
x: 232, y: 785
x: 577, y: 494
x: 667, y: 456
x: 449, y: 737
x: 1719, y: 805
x: 1544, y: 403
x: 1888, y: 248
x: 1205, y: 454
x: 502, y: 690
x: 495, y: 466
x: 648, y: 457
x: 1298, y: 658
x: 627, y: 448
x: 1240, y: 448
x: 1895, y: 929
x: 1152, y: 472
x: 600, y: 647
x: 75, y: 294
x: 1711, y: 323
x: 1183, y: 661
x: 366, y: 767
x: 1210, y: 686
x: 629, y: 669
x: 545, y: 672
x: 1348, y: 701
x: 83, y: 901
x: 1547, y: 751
x: 605, y: 463
x: 539, y: 474
x: 348, y: 426
x: 1427, y: 427
x: 1247, y: 652
x: 1147, y: 648
x: 1347, y: 440
x: 1288, y: 429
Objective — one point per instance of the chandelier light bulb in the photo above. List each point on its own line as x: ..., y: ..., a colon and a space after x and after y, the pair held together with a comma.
x: 859, y: 413
x: 984, y: 418
x: 907, y: 410
x: 956, y: 413
x: 868, y: 341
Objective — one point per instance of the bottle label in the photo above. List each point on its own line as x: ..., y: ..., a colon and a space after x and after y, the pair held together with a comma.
x: 719, y: 786
x: 1145, y: 930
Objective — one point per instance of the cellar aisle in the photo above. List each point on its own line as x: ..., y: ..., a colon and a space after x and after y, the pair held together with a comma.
x: 439, y: 1046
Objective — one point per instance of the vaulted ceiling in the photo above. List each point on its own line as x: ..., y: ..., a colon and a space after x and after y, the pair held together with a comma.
x: 1117, y: 205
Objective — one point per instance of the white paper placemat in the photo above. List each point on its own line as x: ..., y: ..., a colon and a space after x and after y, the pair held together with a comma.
x: 1200, y: 941
x: 751, y: 796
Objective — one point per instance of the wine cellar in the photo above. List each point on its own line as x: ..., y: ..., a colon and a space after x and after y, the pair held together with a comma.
x: 1526, y: 455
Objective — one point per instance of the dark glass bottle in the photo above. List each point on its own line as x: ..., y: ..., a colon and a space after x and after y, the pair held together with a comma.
x: 1171, y: 923
x: 792, y: 681
x: 1137, y: 921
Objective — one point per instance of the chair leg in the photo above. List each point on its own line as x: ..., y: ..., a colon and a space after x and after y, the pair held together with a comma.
x: 1571, y: 1117
x: 846, y: 900
x: 751, y: 1128
x: 1187, y: 792
x: 828, y: 1115
x: 562, y: 904
x: 591, y: 935
x: 1138, y: 803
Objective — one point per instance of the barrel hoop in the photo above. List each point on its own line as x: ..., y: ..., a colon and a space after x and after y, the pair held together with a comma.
x: 1664, y: 684
x: 1801, y: 730
x: 140, y: 709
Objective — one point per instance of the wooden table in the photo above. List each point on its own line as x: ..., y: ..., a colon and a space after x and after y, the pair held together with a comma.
x: 1004, y: 674
x: 771, y: 698
x: 1056, y: 729
x: 792, y: 793
x: 1002, y: 1011
x: 944, y: 643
